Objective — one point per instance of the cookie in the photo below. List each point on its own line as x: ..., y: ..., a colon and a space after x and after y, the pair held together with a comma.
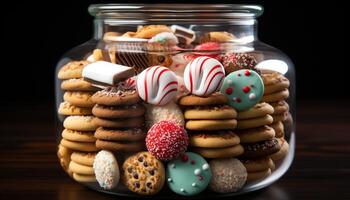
x: 274, y: 82
x: 280, y: 117
x: 272, y: 165
x: 277, y: 96
x: 143, y: 174
x: 120, y: 146
x: 80, y: 123
x: 84, y: 178
x: 256, y: 134
x: 112, y: 96
x: 238, y: 61
x: 216, y: 36
x: 254, y: 176
x: 83, y: 158
x: 280, y: 107
x: 134, y: 134
x: 279, y: 128
x: 243, y: 88
x: 259, y: 110
x: 213, y: 99
x: 188, y: 175
x: 149, y: 31
x: 219, y: 112
x: 66, y: 108
x: 282, y: 152
x: 81, y: 169
x: 119, y: 123
x: 217, y: 139
x: 77, y: 84
x: 226, y: 152
x: 106, y: 170
x: 72, y: 69
x: 229, y: 175
x: 80, y: 99
x: 64, y: 154
x: 79, y: 146
x: 102, y: 111
x: 209, y: 125
x: 257, y: 165
x: 255, y: 122
x: 168, y: 112
x: 78, y: 136
x: 261, y: 149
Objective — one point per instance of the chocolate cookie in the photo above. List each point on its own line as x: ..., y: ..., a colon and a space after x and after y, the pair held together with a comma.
x: 135, y: 134
x: 213, y: 99
x: 112, y: 96
x: 120, y: 146
x: 118, y: 111
x: 261, y: 149
x: 119, y: 123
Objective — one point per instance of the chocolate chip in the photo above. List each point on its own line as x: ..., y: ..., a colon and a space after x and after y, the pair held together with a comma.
x: 140, y: 159
x: 130, y: 169
x: 161, y: 59
x: 149, y: 185
x: 136, y: 176
x: 145, y: 164
x: 137, y: 184
x: 151, y: 172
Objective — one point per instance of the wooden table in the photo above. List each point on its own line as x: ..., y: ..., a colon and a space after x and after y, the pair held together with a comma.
x: 321, y: 169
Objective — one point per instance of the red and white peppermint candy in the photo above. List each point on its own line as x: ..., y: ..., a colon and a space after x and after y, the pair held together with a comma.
x: 157, y: 85
x: 203, y: 76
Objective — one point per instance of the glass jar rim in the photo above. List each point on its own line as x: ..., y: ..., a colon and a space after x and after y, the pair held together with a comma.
x: 176, y: 11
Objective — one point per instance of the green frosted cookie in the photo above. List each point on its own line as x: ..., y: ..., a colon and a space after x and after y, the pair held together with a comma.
x: 243, y: 88
x: 188, y: 175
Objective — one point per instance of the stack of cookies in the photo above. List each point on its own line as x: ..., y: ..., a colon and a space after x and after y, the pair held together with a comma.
x: 210, y: 122
x: 276, y: 92
x: 119, y: 116
x: 258, y: 140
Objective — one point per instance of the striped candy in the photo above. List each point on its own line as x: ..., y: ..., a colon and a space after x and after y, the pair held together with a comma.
x: 203, y: 76
x: 157, y: 85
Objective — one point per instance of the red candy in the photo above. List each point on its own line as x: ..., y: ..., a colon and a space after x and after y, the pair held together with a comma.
x: 246, y: 89
x: 247, y: 73
x: 166, y: 140
x: 229, y: 91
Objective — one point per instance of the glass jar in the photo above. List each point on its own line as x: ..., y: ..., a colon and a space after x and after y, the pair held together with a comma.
x: 239, y: 120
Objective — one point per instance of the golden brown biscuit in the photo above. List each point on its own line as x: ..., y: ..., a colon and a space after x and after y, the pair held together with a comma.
x: 78, y: 136
x: 257, y: 165
x: 84, y: 178
x: 277, y: 96
x: 227, y: 152
x: 217, y: 36
x: 279, y: 128
x: 80, y: 169
x: 134, y: 134
x: 66, y: 108
x: 210, y: 125
x: 64, y: 154
x: 79, y: 146
x: 256, y: 134
x: 83, y: 158
x: 217, y: 139
x: 280, y: 117
x: 149, y: 31
x: 213, y: 99
x: 77, y: 84
x: 255, y: 122
x: 72, y: 69
x: 259, y: 110
x: 112, y: 96
x: 274, y: 82
x: 280, y: 107
x: 282, y: 152
x: 80, y: 99
x: 217, y: 112
x: 254, y: 176
x: 79, y: 123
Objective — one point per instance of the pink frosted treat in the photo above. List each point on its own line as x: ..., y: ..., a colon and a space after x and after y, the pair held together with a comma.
x: 203, y: 76
x: 157, y: 85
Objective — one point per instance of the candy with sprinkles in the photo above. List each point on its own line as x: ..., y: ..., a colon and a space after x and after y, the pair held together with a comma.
x: 244, y: 88
x: 191, y: 176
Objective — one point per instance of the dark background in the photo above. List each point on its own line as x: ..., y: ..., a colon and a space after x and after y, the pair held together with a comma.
x: 35, y: 35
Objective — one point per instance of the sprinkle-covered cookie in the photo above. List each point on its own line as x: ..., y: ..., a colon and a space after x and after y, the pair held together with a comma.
x: 106, y: 170
x: 189, y: 174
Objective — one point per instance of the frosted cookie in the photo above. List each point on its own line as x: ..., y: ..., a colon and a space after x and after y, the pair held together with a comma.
x: 255, y: 122
x: 217, y: 139
x: 116, y: 96
x: 226, y: 152
x: 143, y: 174
x: 168, y: 112
x: 72, y: 69
x: 66, y: 108
x: 261, y: 149
x: 188, y: 175
x: 229, y: 175
x: 217, y: 112
x: 83, y: 158
x: 80, y: 99
x: 106, y: 170
x: 77, y: 84
x: 214, y: 99
x: 238, y: 61
x: 128, y: 111
x: 79, y: 146
x: 259, y: 110
x: 79, y: 123
x: 274, y: 82
x: 119, y: 123
x: 256, y: 134
x: 244, y: 88
x: 78, y: 136
x: 210, y: 125
x: 133, y: 134
x: 277, y: 96
x: 116, y: 146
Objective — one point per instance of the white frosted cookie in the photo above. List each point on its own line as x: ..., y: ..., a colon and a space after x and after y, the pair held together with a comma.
x: 106, y: 170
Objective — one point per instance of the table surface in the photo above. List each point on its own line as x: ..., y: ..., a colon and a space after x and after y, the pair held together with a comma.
x: 321, y: 168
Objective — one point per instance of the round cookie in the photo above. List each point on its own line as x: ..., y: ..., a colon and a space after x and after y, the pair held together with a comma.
x: 216, y: 36
x: 102, y: 111
x: 257, y: 165
x: 149, y: 31
x: 67, y: 108
x: 80, y: 99
x: 274, y: 82
x: 72, y: 69
x: 218, y: 139
x: 77, y: 84
x: 120, y: 146
x: 81, y: 169
x: 135, y: 134
x: 261, y: 149
x: 229, y: 175
x: 84, y: 178
x: 226, y: 152
x: 282, y: 152
x: 220, y: 112
x: 280, y: 117
x: 272, y: 165
x: 80, y: 123
x: 83, y: 158
x: 277, y: 96
x: 64, y: 154
x: 280, y: 107
x: 255, y: 122
x: 214, y: 99
x: 188, y: 175
x: 112, y: 96
x: 243, y: 88
x: 279, y: 128
x: 78, y: 136
x: 143, y: 174
x: 119, y: 123
x: 79, y: 146
x: 254, y: 176
x: 256, y: 134
x: 209, y: 125
x: 259, y: 110
x: 168, y: 112
x: 106, y: 170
